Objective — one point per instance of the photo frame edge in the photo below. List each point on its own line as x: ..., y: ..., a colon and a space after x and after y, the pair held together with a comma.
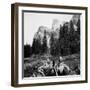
x: 14, y: 45
x: 14, y: 53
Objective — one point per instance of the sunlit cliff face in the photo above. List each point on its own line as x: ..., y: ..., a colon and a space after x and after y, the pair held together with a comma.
x: 75, y: 19
x: 40, y: 34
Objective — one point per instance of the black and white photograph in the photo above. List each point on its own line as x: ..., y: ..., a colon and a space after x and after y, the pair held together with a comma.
x: 51, y: 44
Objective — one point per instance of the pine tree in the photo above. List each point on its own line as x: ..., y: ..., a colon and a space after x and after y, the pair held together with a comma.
x: 44, y: 45
x: 54, y: 45
x: 64, y: 40
x: 74, y: 38
x: 27, y: 51
x: 33, y: 46
x: 78, y: 26
x: 36, y: 46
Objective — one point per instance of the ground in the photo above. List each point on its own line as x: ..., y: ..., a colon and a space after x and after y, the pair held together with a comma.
x: 32, y: 63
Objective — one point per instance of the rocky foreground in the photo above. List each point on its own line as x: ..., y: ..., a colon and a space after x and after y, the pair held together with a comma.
x: 47, y: 65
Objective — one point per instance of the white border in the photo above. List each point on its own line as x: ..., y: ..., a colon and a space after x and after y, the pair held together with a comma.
x: 56, y: 79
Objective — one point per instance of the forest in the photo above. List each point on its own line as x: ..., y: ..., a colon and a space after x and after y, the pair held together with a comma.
x: 67, y: 43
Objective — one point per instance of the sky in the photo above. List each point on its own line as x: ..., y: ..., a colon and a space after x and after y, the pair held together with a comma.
x: 32, y: 21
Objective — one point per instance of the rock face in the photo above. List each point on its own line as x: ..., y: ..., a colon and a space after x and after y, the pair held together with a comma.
x: 39, y: 35
x: 75, y: 20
